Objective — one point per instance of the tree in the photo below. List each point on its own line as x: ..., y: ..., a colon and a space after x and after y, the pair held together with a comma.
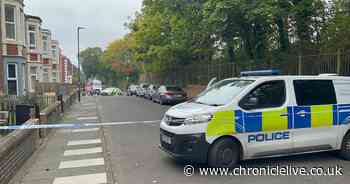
x: 336, y: 34
x: 119, y: 60
x: 171, y: 33
x: 90, y: 58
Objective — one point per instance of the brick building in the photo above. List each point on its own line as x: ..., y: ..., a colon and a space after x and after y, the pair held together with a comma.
x: 13, y: 47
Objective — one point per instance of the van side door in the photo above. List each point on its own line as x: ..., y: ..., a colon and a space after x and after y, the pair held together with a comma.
x: 266, y: 120
x: 315, y: 115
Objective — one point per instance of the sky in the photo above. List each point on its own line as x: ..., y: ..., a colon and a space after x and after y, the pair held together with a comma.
x: 104, y: 21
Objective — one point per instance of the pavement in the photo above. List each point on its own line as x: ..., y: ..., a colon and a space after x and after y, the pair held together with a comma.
x: 70, y: 156
x: 130, y: 152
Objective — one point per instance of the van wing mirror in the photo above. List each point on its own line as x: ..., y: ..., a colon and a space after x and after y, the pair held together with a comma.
x: 211, y: 82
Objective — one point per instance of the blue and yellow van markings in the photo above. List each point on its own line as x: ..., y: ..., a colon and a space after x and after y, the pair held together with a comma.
x: 280, y: 116
x: 335, y: 115
x: 302, y: 121
x: 231, y: 122
x: 344, y: 114
x: 239, y: 121
x: 254, y: 122
x: 321, y: 116
x: 221, y: 124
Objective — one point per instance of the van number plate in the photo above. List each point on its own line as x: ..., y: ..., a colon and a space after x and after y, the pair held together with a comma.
x: 166, y: 139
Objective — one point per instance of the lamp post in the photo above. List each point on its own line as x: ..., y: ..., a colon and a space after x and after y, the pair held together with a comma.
x: 79, y: 82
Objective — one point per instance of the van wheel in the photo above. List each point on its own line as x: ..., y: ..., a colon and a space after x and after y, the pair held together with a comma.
x: 224, y: 153
x: 345, y: 147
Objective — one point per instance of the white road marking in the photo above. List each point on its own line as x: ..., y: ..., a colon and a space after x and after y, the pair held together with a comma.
x: 84, y: 142
x: 85, y: 179
x: 82, y: 151
x: 81, y: 163
x: 85, y: 130
x: 88, y: 118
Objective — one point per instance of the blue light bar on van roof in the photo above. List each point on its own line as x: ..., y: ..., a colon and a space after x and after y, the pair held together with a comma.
x: 260, y: 73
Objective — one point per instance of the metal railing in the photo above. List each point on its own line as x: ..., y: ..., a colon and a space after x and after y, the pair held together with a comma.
x: 201, y: 73
x: 46, y: 95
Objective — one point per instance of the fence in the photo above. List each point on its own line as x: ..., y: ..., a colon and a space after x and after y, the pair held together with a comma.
x: 17, y: 109
x: 201, y: 73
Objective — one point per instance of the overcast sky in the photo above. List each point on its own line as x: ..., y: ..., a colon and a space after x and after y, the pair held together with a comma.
x: 104, y: 20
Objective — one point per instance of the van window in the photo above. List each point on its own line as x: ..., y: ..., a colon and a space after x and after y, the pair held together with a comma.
x: 267, y: 95
x: 222, y: 93
x: 314, y: 92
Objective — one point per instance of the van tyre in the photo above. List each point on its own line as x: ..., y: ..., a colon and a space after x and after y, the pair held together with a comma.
x: 224, y: 153
x: 345, y: 147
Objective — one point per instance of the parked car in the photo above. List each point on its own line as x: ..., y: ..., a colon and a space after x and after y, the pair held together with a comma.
x: 138, y: 91
x: 143, y: 89
x: 132, y: 90
x: 118, y: 92
x: 151, y: 90
x: 169, y: 95
x: 95, y: 92
x: 111, y: 92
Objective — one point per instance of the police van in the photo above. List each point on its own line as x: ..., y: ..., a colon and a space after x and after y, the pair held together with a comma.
x: 257, y: 117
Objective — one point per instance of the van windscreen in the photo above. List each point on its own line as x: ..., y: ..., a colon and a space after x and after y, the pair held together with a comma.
x: 222, y: 92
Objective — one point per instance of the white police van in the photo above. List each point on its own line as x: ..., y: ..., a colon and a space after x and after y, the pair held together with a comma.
x: 256, y: 117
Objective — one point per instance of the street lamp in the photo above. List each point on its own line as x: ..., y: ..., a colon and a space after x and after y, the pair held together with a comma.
x: 79, y: 82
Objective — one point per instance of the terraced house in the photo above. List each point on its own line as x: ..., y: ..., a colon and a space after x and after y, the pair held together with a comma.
x: 46, y: 55
x: 28, y: 55
x: 55, y: 69
x: 34, y: 58
x: 13, y: 47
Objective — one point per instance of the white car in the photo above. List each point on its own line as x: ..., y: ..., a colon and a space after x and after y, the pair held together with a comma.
x: 111, y: 92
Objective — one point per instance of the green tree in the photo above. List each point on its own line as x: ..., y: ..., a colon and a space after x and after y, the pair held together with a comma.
x: 336, y: 34
x: 90, y: 59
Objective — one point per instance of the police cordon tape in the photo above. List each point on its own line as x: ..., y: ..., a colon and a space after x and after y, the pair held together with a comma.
x: 73, y: 125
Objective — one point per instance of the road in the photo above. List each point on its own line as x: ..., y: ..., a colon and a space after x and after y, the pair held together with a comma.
x: 134, y: 156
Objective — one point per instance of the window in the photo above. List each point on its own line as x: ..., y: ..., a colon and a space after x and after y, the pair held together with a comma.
x: 32, y: 28
x: 12, y: 87
x: 12, y: 79
x: 222, y: 92
x: 314, y: 92
x: 45, y: 43
x: 267, y: 95
x: 10, y: 22
x: 12, y: 74
x: 45, y: 46
x: 54, y: 53
x: 33, y: 70
x: 32, y: 40
x: 32, y: 82
x: 32, y: 37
